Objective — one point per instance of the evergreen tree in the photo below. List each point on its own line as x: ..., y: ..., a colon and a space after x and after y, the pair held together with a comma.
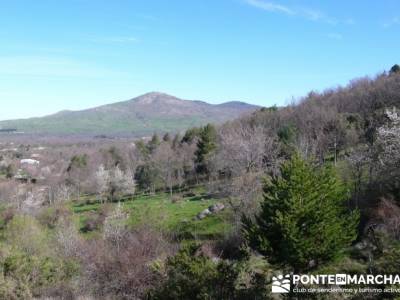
x: 146, y: 177
x: 287, y: 136
x: 304, y: 221
x: 176, y: 141
x: 206, y: 144
x: 76, y: 170
x: 395, y: 69
x: 77, y: 161
x: 190, y: 135
x: 143, y: 149
x: 154, y: 143
x: 166, y: 137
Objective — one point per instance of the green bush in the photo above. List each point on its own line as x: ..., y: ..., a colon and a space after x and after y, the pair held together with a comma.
x: 191, y: 276
x: 26, y: 233
x: 24, y: 275
x: 29, y: 264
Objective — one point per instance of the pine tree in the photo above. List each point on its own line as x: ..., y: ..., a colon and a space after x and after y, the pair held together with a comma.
x: 190, y: 135
x: 304, y: 221
x: 166, y: 137
x: 176, y: 141
x: 153, y: 143
x: 206, y: 144
x: 395, y: 69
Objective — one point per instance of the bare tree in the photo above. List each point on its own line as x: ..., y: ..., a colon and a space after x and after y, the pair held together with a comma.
x: 115, y: 226
x: 242, y: 148
x: 244, y: 154
x: 68, y: 240
x: 166, y: 163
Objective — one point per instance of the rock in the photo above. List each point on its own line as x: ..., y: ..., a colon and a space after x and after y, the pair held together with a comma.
x: 216, y: 207
x: 203, y: 214
x: 312, y: 263
x: 213, y: 209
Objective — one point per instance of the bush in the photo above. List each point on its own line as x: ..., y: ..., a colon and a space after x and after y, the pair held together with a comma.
x: 94, y: 220
x: 191, y: 276
x: 49, y: 217
x: 26, y: 275
x: 25, y: 233
x: 123, y: 270
x: 176, y: 198
x: 6, y: 216
x: 90, y: 223
x: 28, y: 263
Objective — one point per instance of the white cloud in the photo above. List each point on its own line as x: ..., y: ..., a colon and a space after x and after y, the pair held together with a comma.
x: 316, y: 16
x: 306, y: 13
x: 312, y: 15
x: 270, y: 6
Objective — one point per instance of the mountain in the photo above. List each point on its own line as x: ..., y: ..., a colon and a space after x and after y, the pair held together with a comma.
x: 141, y: 116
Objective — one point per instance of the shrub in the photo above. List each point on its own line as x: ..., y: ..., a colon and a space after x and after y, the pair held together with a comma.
x: 191, y: 276
x: 25, y: 233
x: 95, y: 220
x: 176, y: 198
x: 28, y: 263
x: 28, y: 275
x: 6, y: 216
x: 123, y: 270
x: 49, y: 217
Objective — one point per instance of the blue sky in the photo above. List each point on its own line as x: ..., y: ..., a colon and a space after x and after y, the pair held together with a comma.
x: 75, y: 54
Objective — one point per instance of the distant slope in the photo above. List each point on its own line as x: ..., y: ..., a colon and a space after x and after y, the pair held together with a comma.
x: 152, y: 112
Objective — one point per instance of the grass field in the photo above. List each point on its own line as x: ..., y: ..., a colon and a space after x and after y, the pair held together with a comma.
x: 177, y: 217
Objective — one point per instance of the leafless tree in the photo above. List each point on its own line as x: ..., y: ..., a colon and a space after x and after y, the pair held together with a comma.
x: 244, y: 155
x: 115, y: 226
x: 124, y: 271
x: 167, y: 164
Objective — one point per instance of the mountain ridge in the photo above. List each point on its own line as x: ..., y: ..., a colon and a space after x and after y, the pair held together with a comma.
x: 139, y: 116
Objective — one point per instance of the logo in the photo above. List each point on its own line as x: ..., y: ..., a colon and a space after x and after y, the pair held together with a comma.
x: 281, y: 284
x: 335, y: 283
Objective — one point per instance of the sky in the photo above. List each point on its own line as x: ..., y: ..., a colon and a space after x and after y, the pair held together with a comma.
x: 77, y: 54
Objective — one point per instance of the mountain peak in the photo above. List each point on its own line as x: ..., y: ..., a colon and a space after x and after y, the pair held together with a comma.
x: 156, y: 98
x: 154, y: 94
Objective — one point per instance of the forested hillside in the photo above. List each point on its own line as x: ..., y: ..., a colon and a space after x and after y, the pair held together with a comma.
x: 213, y: 213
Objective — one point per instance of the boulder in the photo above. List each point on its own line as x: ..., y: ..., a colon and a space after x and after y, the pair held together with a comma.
x: 216, y: 208
x: 203, y: 214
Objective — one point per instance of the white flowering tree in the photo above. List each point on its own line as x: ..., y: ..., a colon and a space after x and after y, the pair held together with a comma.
x: 388, y: 139
x: 387, y: 154
x: 102, y: 179
x: 114, y: 183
